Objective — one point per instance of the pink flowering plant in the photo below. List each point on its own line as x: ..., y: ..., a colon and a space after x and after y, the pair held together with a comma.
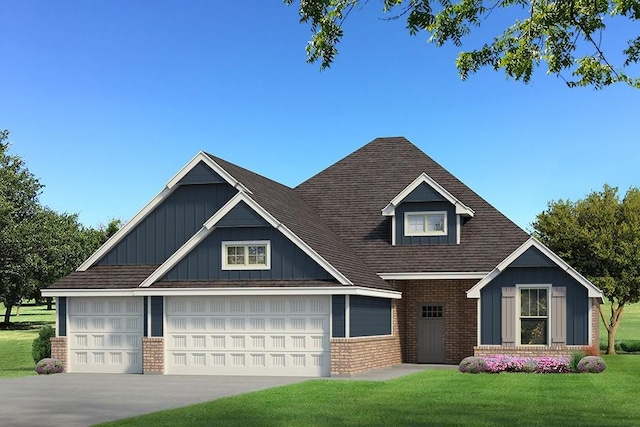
x: 500, y: 363
x: 49, y: 366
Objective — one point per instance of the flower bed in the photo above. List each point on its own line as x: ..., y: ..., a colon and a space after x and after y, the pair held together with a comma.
x: 496, y: 364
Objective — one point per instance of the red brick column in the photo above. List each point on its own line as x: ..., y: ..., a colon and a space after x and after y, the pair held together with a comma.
x: 153, y: 355
x: 595, y: 322
x: 59, y: 350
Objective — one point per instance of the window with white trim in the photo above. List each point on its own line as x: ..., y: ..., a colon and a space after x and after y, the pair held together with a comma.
x: 425, y: 223
x: 246, y: 255
x: 534, y: 316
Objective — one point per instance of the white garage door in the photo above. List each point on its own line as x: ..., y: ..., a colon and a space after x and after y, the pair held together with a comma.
x: 105, y: 335
x: 280, y: 336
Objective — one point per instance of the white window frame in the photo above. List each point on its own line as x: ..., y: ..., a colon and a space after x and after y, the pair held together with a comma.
x: 425, y: 215
x: 518, y: 310
x: 245, y: 244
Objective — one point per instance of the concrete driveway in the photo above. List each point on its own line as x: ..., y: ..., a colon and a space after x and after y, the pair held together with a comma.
x: 86, y: 399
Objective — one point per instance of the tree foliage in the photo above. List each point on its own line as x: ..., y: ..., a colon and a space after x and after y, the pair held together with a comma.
x: 567, y: 35
x: 37, y: 245
x: 600, y: 236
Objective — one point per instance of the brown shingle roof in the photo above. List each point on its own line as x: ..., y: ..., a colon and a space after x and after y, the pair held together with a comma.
x: 350, y: 195
x: 106, y: 277
x: 246, y: 284
x: 287, y: 207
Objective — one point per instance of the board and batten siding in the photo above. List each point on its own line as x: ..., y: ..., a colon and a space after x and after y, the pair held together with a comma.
x: 368, y: 316
x: 492, y: 301
x: 288, y: 262
x: 169, y: 225
x: 408, y: 207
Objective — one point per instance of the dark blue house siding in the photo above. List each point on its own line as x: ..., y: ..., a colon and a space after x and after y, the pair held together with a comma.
x: 337, y: 316
x: 201, y: 174
x: 242, y: 216
x: 288, y: 262
x: 61, y: 303
x: 171, y: 224
x: 451, y: 236
x: 532, y: 257
x: 577, y: 302
x: 157, y: 313
x: 424, y: 193
x: 369, y: 316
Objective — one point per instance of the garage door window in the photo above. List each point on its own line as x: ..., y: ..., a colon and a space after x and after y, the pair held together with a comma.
x: 246, y: 255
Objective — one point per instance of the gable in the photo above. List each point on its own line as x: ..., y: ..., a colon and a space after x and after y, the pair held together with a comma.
x: 424, y: 193
x: 201, y: 174
x: 532, y: 257
x: 242, y: 216
x: 169, y: 225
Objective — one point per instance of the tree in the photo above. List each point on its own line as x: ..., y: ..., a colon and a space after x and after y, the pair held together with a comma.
x: 37, y: 245
x: 565, y: 34
x: 600, y: 237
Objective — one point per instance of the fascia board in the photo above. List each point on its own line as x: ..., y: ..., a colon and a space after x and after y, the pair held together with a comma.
x: 461, y: 208
x: 446, y: 275
x: 307, y: 290
x: 120, y: 234
x: 592, y: 290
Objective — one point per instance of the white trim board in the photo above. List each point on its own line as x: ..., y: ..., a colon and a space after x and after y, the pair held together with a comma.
x: 593, y: 291
x: 446, y: 275
x: 159, y: 198
x: 310, y: 290
x: 461, y: 208
x: 209, y: 226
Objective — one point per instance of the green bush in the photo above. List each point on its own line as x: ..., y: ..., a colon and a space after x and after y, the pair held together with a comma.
x: 630, y: 346
x: 41, y: 347
x: 49, y: 366
x: 575, y: 359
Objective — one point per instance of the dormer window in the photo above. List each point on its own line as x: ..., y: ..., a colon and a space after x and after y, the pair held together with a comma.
x: 425, y: 223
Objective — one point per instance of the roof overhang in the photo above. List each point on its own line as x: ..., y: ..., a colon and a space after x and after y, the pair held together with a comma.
x: 445, y: 275
x: 593, y: 290
x: 461, y: 208
x: 227, y: 291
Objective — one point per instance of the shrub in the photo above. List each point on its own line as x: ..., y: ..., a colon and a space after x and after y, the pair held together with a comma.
x: 575, y: 359
x: 41, y: 347
x: 630, y: 346
x: 49, y: 366
x: 553, y: 365
x: 473, y: 365
x: 592, y: 364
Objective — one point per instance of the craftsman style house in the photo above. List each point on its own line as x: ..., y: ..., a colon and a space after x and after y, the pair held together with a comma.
x: 382, y: 258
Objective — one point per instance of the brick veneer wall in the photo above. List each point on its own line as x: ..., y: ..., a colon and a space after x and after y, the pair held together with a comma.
x: 353, y: 355
x: 59, y: 350
x: 460, y: 313
x: 563, y: 350
x: 153, y: 355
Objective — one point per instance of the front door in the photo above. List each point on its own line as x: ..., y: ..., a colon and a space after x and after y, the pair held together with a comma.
x: 431, y: 333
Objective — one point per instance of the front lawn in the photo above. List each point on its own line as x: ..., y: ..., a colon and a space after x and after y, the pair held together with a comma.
x: 15, y: 342
x: 438, y: 397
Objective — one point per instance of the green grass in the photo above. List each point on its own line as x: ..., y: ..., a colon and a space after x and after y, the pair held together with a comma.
x: 15, y: 342
x: 629, y: 326
x: 438, y: 397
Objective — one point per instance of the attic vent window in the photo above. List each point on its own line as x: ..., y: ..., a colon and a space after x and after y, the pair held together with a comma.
x: 425, y: 224
x: 246, y: 255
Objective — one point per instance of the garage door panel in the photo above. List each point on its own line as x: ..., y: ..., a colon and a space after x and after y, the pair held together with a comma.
x: 248, y: 336
x: 105, y: 335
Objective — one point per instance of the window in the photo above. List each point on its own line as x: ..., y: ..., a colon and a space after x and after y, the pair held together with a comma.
x: 425, y: 224
x: 534, y: 316
x: 246, y: 255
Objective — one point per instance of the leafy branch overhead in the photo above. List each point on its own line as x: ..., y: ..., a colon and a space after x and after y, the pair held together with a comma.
x: 570, y: 36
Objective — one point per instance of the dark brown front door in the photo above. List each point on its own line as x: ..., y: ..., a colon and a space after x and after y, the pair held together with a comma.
x: 431, y: 333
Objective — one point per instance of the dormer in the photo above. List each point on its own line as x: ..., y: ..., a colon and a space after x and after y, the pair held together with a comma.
x: 425, y: 213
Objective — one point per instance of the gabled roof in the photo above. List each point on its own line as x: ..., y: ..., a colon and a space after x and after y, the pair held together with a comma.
x: 593, y: 291
x: 348, y: 197
x: 169, y: 188
x: 461, y: 208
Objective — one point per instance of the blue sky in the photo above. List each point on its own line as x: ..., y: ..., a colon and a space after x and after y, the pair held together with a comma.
x: 106, y: 100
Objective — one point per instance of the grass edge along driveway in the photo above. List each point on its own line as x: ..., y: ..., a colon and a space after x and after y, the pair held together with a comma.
x: 436, y: 397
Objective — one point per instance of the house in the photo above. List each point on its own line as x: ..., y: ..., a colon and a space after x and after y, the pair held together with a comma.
x: 382, y: 258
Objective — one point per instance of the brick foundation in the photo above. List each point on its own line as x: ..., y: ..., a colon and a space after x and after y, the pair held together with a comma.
x: 528, y: 351
x: 153, y: 355
x: 59, y: 350
x: 352, y: 355
x: 460, y: 314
